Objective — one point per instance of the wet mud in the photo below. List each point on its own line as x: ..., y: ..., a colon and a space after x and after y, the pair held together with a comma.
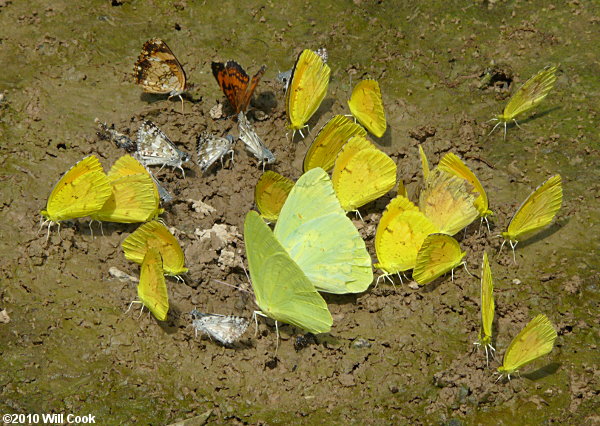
x: 396, y: 354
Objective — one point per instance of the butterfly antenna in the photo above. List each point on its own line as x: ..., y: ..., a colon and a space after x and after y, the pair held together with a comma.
x: 231, y: 285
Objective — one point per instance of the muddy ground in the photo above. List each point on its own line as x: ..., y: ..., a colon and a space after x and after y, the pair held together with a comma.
x: 395, y: 354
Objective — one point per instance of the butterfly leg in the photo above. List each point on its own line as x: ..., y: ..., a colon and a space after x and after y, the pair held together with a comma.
x: 400, y: 277
x: 505, y: 126
x: 358, y: 215
x: 501, y: 246
x: 277, y: 334
x: 516, y: 123
x: 182, y: 171
x: 465, y: 265
x: 512, y: 246
x: 497, y: 124
x: 131, y: 304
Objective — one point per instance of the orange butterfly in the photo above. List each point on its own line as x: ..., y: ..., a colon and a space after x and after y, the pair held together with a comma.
x: 158, y: 71
x: 236, y: 84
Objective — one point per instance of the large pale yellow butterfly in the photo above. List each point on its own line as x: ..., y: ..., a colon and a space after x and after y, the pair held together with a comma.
x: 282, y: 290
x: 329, y: 142
x: 134, y: 195
x: 528, y: 96
x: 536, y: 212
x: 400, y: 233
x: 155, y: 235
x: 367, y: 106
x: 487, y: 309
x: 439, y: 254
x: 452, y: 164
x: 152, y: 289
x: 270, y: 194
x: 81, y: 192
x: 362, y: 174
x: 307, y: 89
x: 447, y: 202
x: 535, y: 340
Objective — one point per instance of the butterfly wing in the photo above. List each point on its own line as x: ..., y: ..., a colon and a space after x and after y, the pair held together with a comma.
x: 362, y: 176
x: 253, y: 142
x: 329, y: 142
x: 537, y: 211
x: 282, y: 291
x: 396, y: 206
x: 252, y: 87
x: 157, y: 69
x: 487, y: 301
x: 307, y: 88
x: 535, y: 340
x: 154, y: 147
x: 155, y: 234
x: 226, y: 329
x: 152, y: 289
x: 440, y: 253
x: 134, y: 199
x: 530, y: 94
x: 399, y: 238
x: 452, y: 164
x: 211, y: 148
x: 82, y: 191
x: 128, y: 166
x: 270, y: 194
x: 322, y: 240
x: 447, y: 202
x: 366, y: 105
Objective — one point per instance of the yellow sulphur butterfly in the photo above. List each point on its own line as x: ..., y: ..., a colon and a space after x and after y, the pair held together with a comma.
x: 361, y: 175
x: 452, y: 164
x: 270, y: 193
x: 316, y: 233
x: 282, y: 291
x: 528, y: 96
x: 155, y: 235
x: 447, y: 202
x: 367, y: 106
x: 487, y: 308
x: 82, y: 191
x: 400, y: 233
x: 329, y: 142
x: 307, y: 89
x: 127, y: 166
x: 535, y: 340
x: 152, y: 289
x: 536, y: 212
x: 439, y: 253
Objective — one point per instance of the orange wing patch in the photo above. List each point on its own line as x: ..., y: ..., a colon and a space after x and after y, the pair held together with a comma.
x: 157, y: 69
x: 236, y: 84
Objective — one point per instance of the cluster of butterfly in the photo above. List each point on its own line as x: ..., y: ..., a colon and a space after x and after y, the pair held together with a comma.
x: 314, y: 246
